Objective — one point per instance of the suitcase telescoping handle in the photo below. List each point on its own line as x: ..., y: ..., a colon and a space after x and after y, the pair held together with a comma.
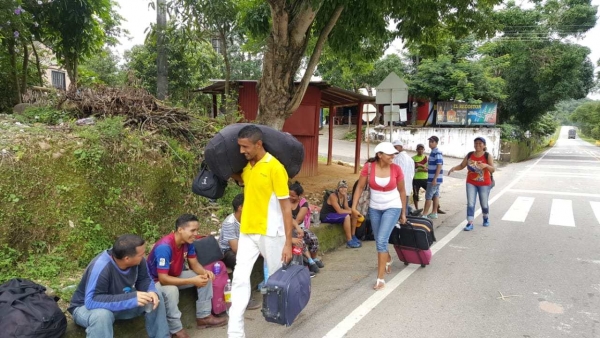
x: 408, y: 223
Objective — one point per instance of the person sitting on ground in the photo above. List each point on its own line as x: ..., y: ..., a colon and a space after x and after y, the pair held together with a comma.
x: 301, y: 215
x: 116, y: 285
x: 228, y: 240
x: 165, y: 264
x: 336, y: 210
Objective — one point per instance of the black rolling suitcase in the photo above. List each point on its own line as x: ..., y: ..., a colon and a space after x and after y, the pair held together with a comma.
x: 413, y: 240
x: 285, y: 294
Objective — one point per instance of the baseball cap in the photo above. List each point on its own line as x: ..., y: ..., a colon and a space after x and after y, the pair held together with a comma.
x: 434, y: 138
x: 386, y: 148
x: 420, y: 145
x: 479, y: 138
x: 397, y: 143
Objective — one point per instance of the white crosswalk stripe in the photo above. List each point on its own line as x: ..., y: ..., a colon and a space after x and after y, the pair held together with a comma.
x: 561, y: 211
x: 596, y: 208
x: 519, y: 209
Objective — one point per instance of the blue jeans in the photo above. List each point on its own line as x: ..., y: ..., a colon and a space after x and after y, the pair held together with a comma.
x: 171, y: 295
x: 98, y: 323
x: 382, y: 223
x: 484, y: 194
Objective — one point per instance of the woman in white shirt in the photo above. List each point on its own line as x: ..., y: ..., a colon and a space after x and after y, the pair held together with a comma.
x: 387, y: 202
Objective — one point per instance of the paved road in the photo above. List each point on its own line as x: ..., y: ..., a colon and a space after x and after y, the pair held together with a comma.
x: 542, y: 253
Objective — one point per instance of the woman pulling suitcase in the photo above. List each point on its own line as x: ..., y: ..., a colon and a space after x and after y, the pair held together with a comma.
x: 387, y: 202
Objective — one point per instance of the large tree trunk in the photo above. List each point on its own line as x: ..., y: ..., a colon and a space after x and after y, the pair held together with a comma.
x: 13, y: 65
x: 25, y: 67
x: 278, y: 97
x: 162, y: 82
x: 37, y: 63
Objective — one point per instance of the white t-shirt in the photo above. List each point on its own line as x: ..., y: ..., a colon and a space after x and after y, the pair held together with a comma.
x: 408, y: 168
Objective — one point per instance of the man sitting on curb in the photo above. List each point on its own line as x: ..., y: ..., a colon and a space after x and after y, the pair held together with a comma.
x: 165, y: 264
x: 116, y: 285
x: 228, y: 240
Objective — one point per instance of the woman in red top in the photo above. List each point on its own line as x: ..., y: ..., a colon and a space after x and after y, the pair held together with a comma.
x: 479, y: 181
x: 387, y: 202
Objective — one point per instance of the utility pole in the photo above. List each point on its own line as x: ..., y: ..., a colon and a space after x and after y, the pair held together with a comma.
x: 162, y: 82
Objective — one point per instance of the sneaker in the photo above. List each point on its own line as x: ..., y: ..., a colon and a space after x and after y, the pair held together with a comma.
x: 469, y: 227
x: 354, y: 238
x: 432, y: 216
x: 312, y: 274
x: 319, y: 263
x: 253, y: 304
x: 351, y: 244
x: 486, y: 222
x: 441, y: 212
x: 313, y: 267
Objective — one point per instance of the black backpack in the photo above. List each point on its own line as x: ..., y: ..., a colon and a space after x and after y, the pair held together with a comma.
x: 26, y: 311
x: 208, y: 184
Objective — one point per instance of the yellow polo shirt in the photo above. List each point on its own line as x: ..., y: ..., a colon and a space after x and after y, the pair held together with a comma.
x: 264, y: 185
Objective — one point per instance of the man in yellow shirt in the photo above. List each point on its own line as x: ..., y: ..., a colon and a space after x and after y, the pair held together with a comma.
x: 266, y: 224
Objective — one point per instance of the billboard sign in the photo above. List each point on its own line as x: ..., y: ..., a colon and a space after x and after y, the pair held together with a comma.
x: 466, y: 114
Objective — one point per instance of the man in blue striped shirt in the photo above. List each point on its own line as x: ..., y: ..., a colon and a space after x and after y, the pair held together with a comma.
x: 116, y: 285
x: 435, y: 177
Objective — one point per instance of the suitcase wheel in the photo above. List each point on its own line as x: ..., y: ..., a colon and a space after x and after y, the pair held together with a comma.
x: 423, y: 265
x: 405, y: 263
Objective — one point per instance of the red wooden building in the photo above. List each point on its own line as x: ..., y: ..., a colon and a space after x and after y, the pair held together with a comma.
x: 304, y: 122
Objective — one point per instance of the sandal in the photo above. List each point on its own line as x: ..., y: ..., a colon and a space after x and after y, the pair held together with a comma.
x: 380, y: 284
x: 388, y: 266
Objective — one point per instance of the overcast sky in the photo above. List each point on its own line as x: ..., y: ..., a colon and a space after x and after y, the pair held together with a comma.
x: 138, y: 17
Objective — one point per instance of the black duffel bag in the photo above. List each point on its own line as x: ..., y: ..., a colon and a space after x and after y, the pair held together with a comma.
x: 26, y: 311
x: 208, y: 184
x: 222, y: 153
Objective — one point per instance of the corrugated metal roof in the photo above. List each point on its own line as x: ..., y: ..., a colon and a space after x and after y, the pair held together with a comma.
x: 330, y: 95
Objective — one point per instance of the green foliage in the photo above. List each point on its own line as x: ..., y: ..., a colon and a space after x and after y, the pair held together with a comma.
x: 587, y: 117
x: 455, y: 75
x: 101, y: 69
x: 356, y: 73
x: 64, y: 202
x: 75, y: 30
x: 541, y: 70
x: 46, y: 115
x: 191, y: 65
x: 563, y: 110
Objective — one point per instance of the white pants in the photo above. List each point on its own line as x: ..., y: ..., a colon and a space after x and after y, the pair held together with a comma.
x: 249, y: 247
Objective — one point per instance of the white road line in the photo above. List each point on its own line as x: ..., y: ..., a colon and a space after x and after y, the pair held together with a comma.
x: 581, y: 161
x: 370, y: 303
x: 568, y: 167
x: 596, y: 209
x: 561, y: 213
x: 560, y: 193
x: 519, y: 210
x: 563, y: 174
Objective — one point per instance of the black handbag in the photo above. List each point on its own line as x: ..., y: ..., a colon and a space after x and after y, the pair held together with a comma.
x: 208, y: 250
x: 207, y: 184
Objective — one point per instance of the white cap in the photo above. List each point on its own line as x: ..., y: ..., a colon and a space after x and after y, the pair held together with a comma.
x: 386, y: 148
x: 397, y: 143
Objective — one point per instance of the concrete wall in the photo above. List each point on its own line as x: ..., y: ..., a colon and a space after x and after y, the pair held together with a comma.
x: 48, y: 76
x: 454, y: 142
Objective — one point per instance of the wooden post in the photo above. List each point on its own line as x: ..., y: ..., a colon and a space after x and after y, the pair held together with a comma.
x: 330, y: 144
x: 214, y: 105
x: 358, y: 137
